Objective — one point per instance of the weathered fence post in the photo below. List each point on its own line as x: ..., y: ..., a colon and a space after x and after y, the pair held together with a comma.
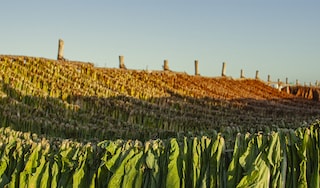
x: 121, y: 62
x: 279, y: 84
x: 269, y: 80
x: 224, y: 64
x: 165, y: 65
x: 241, y: 73
x: 317, y: 83
x: 257, y: 74
x: 60, y: 50
x: 196, y: 70
x: 287, y: 85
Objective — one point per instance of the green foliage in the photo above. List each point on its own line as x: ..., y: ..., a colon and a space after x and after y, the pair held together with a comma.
x: 285, y: 158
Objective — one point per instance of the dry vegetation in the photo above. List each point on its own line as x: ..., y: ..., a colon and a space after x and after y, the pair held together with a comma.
x: 77, y: 100
x: 312, y: 93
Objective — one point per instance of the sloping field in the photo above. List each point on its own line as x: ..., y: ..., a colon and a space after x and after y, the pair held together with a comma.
x: 77, y: 100
x: 70, y: 124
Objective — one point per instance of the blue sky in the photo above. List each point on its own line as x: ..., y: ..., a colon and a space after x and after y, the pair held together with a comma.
x: 276, y: 37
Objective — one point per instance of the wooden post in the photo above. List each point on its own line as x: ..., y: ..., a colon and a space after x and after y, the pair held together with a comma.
x: 297, y: 82
x: 279, y: 84
x: 257, y: 74
x: 224, y: 64
x: 121, y: 62
x: 287, y: 85
x: 60, y: 50
x: 166, y: 65
x: 269, y: 79
x: 310, y: 84
x: 196, y: 70
x: 317, y: 83
x: 241, y: 73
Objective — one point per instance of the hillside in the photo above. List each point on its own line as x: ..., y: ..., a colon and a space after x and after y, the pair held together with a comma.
x: 76, y: 100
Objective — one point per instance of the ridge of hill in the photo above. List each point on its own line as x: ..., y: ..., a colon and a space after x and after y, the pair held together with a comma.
x: 76, y: 100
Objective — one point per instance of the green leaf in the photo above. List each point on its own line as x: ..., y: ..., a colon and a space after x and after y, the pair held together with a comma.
x: 173, y: 177
x: 258, y: 175
x: 55, y: 172
x: 30, y: 167
x: 302, y: 153
x: 247, y: 158
x: 5, y: 161
x: 234, y: 173
x: 152, y: 171
x: 195, y: 161
x: 79, y: 173
x: 46, y: 178
x: 133, y: 170
x: 117, y: 177
x: 35, y: 178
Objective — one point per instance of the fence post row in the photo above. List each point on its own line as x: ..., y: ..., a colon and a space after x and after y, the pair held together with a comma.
x: 196, y: 67
x: 60, y: 50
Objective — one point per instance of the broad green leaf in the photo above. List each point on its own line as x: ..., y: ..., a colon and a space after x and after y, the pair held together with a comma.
x: 46, y: 179
x: 35, y: 178
x: 247, y: 158
x: 302, y: 153
x: 31, y: 165
x: 258, y: 175
x: 5, y: 161
x: 173, y: 176
x: 152, y: 171
x: 195, y: 168
x: 55, y: 172
x: 117, y: 177
x: 79, y: 173
x: 234, y: 173
x: 133, y: 170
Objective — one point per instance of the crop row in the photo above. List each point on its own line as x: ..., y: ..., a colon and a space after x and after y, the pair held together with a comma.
x: 77, y: 100
x: 285, y: 158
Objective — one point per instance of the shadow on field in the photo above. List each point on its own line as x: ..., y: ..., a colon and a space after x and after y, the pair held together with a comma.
x: 92, y: 119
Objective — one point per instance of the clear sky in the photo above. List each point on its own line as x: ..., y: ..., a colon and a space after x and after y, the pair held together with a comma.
x: 276, y: 37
